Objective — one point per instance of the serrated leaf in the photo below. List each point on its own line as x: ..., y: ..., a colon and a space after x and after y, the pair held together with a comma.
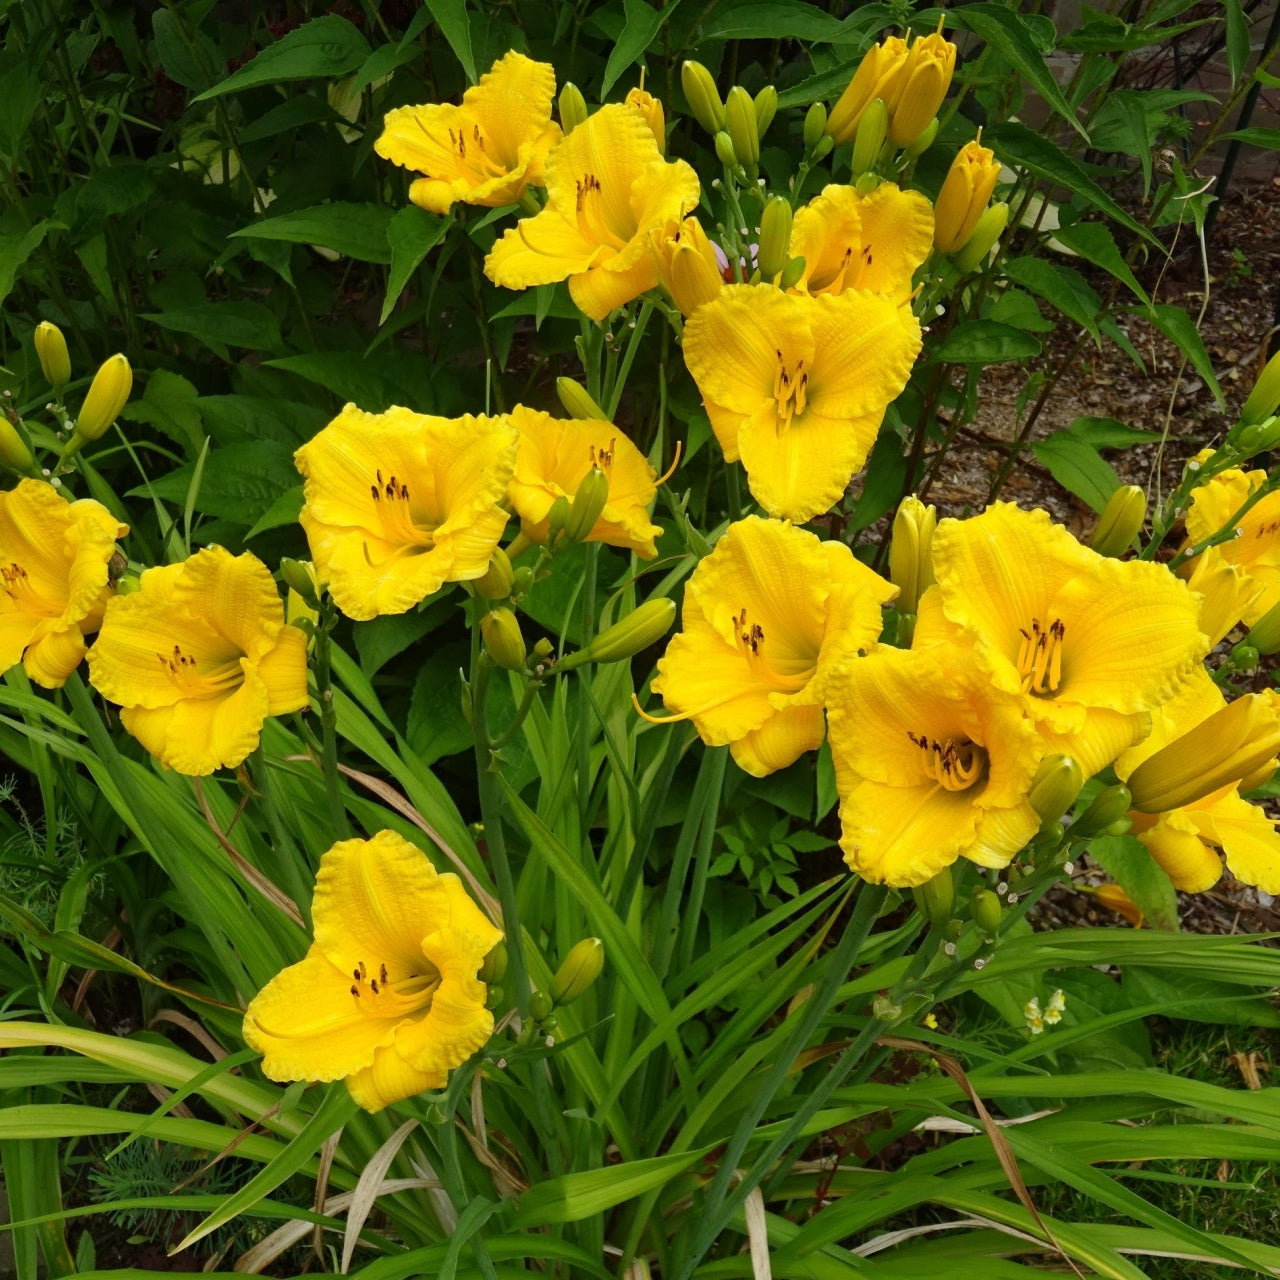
x: 354, y: 230
x: 284, y: 510
x: 410, y: 235
x: 172, y: 405
x: 1020, y: 310
x: 238, y: 482
x: 643, y: 22
x: 326, y: 48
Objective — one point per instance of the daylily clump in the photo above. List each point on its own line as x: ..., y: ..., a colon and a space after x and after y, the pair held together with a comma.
x: 387, y: 997
x: 198, y: 657
x: 54, y: 571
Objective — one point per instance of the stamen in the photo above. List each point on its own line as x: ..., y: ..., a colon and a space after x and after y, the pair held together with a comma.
x: 1040, y: 657
x: 790, y: 391
x: 955, y: 764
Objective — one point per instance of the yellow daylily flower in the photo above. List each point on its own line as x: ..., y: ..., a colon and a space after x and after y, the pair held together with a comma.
x: 54, y: 557
x: 553, y: 458
x: 874, y: 242
x: 608, y: 187
x: 399, y: 503
x: 1255, y: 550
x: 487, y: 151
x: 767, y: 617
x: 687, y: 266
x: 198, y: 657
x: 1092, y: 645
x: 1201, y: 753
x: 387, y: 998
x: 796, y: 386
x: 933, y: 763
x: 654, y: 116
x: 963, y: 199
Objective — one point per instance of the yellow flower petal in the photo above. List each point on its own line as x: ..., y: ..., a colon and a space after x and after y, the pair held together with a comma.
x: 1246, y: 835
x: 237, y: 594
x: 283, y: 670
x: 390, y: 1079
x: 780, y: 741
x: 52, y: 658
x: 1176, y: 846
x: 600, y: 290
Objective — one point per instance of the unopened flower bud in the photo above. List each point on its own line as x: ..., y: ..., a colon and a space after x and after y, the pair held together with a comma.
x: 1110, y: 804
x: 543, y: 648
x: 704, y: 98
x: 654, y: 116
x: 775, y: 237
x: 1244, y: 657
x: 1055, y: 787
x: 300, y: 576
x: 792, y: 273
x: 496, y: 581
x: 920, y: 87
x: 740, y: 120
x: 986, y: 910
x: 588, y: 503
x: 876, y: 77
x: 522, y: 580
x: 905, y: 631
x: 1229, y: 745
x: 540, y: 1006
x: 494, y: 997
x: 581, y: 967
x: 1264, y: 635
x: 502, y: 639
x: 1120, y: 522
x: 865, y: 183
x: 1257, y: 437
x: 911, y: 552
x: 884, y: 1009
x: 577, y: 403
x: 51, y: 350
x: 988, y: 231
x: 573, y: 108
x: 815, y: 124
x: 963, y: 199
x: 495, y: 964
x: 15, y: 452
x: 1120, y: 827
x: 108, y: 394
x: 766, y: 105
x: 556, y: 517
x: 870, y: 137
x: 824, y: 148
x: 643, y: 626
x: 724, y: 150
x: 1264, y: 399
x: 922, y: 144
x: 692, y: 280
x: 936, y: 897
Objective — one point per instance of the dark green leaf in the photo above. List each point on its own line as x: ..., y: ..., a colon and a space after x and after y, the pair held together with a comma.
x: 224, y: 324
x: 1077, y: 467
x: 284, y: 510
x: 379, y: 640
x: 768, y: 21
x: 1061, y: 287
x: 374, y: 382
x: 643, y: 23
x: 1095, y: 243
x: 885, y: 477
x: 451, y: 17
x: 1179, y: 328
x: 16, y: 249
x: 436, y: 725
x: 290, y: 115
x: 1107, y: 433
x: 411, y: 235
x: 170, y: 403
x: 323, y: 48
x: 354, y: 230
x: 1020, y: 310
x: 176, y: 56
x: 1268, y: 139
x: 1125, y: 860
x: 1237, y: 39
x: 986, y: 342
x: 239, y: 482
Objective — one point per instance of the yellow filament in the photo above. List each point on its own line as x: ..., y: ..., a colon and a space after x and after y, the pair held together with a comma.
x: 953, y: 765
x: 1040, y: 657
x: 183, y: 670
x: 591, y: 220
x: 791, y: 391
x: 17, y: 586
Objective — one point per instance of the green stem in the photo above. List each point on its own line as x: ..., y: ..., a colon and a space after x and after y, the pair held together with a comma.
x: 633, y: 345
x: 329, y: 722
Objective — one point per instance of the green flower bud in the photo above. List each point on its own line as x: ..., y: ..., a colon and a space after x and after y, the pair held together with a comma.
x: 573, y: 108
x: 1256, y: 437
x: 1051, y: 835
x: 906, y: 630
x: 15, y: 452
x: 766, y: 106
x: 502, y: 639
x: 556, y: 517
x: 1109, y: 804
x: 936, y: 897
x: 823, y: 149
x: 1244, y: 657
x: 540, y: 1006
x: 581, y: 967
x: 493, y: 999
x: 815, y: 125
x: 108, y: 394
x: 522, y: 580
x: 704, y: 98
x: 495, y: 964
x: 577, y: 403
x: 300, y: 576
x: 986, y: 910
x: 866, y: 183
x: 740, y: 120
x: 542, y: 648
x: 642, y: 627
x: 1264, y: 635
x: 1120, y: 827
x: 724, y: 150
x: 498, y: 578
x: 924, y: 141
x: 870, y: 136
x: 775, y: 237
x: 588, y: 505
x: 988, y: 231
x: 1120, y: 522
x: 792, y: 273
x: 1264, y: 399
x: 1055, y: 787
x: 51, y: 350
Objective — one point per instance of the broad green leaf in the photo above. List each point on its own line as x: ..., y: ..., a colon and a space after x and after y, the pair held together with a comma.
x: 1257, y: 136
x: 769, y: 21
x: 353, y: 230
x: 1017, y: 145
x: 291, y: 115
x: 1095, y: 243
x: 986, y: 342
x: 284, y: 510
x: 452, y: 19
x: 325, y: 48
x: 17, y: 248
x: 1179, y: 328
x: 1125, y: 860
x: 1007, y: 32
x: 882, y: 487
x: 171, y: 404
x: 643, y: 22
x: 181, y: 62
x: 1020, y: 310
x: 1061, y: 287
x: 575, y: 1196
x: 1237, y: 39
x: 224, y: 324
x: 380, y: 639
x: 410, y: 235
x: 239, y: 481
x: 1108, y: 433
x: 374, y: 382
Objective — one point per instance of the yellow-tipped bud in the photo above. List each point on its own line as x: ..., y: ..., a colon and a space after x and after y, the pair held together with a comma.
x: 642, y: 627
x: 869, y: 137
x: 498, y: 579
x: 300, y: 577
x: 963, y: 199
x: 766, y: 105
x: 724, y: 150
x: 502, y: 639
x: 988, y: 231
x: 687, y: 265
x: 1055, y: 787
x: 1264, y: 399
x: 572, y: 107
x: 1264, y: 635
x: 588, y: 504
x: 581, y: 967
x: 815, y: 125
x: 108, y: 394
x: 704, y: 98
x: 654, y: 116
x: 911, y: 552
x: 740, y: 121
x: 1232, y: 744
x: 986, y: 909
x: 876, y: 77
x: 1120, y: 522
x: 773, y: 253
x: 15, y: 452
x: 936, y: 897
x: 924, y: 141
x: 920, y: 87
x: 51, y: 350
x: 577, y: 403
x: 495, y: 964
